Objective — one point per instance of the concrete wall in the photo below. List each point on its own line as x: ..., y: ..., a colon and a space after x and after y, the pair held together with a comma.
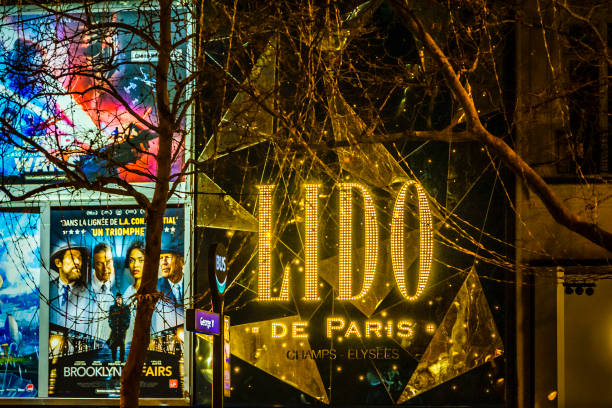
x: 543, y: 238
x: 588, y: 348
x: 545, y: 338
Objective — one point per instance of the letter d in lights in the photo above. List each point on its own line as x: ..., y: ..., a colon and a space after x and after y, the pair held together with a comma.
x: 346, y: 241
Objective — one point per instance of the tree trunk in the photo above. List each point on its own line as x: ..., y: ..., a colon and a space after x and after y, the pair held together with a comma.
x: 147, y: 293
x: 146, y: 299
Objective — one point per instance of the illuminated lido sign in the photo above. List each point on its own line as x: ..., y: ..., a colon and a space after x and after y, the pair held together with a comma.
x: 311, y: 249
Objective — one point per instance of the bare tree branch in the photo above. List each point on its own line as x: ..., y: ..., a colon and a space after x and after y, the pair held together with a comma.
x: 74, y: 15
x: 602, y: 43
x: 530, y: 177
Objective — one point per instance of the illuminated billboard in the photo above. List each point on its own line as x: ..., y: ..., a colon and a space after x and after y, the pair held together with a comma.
x: 20, y: 299
x: 96, y: 260
x: 84, y: 95
x: 358, y: 286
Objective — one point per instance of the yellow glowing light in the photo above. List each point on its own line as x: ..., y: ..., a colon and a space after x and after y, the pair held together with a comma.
x: 346, y: 241
x: 284, y: 295
x: 430, y: 328
x: 397, y: 241
x: 298, y: 330
x: 55, y: 343
x: 180, y: 334
x: 279, y: 330
x: 389, y: 328
x: 264, y: 284
x: 405, y: 329
x: 352, y: 330
x: 265, y: 232
x: 312, y: 241
x: 374, y: 327
x: 334, y: 324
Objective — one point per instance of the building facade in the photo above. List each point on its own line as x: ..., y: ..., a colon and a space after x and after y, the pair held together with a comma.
x: 368, y: 265
x: 562, y: 308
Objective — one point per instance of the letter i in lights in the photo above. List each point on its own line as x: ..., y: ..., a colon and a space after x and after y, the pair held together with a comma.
x: 312, y: 241
x: 346, y: 241
x: 397, y: 241
x: 264, y: 284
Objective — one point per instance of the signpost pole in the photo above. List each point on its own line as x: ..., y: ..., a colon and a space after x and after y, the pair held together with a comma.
x: 217, y: 275
x: 217, y: 389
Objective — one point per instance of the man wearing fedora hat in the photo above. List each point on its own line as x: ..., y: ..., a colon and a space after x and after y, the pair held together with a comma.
x: 69, y: 296
x: 119, y: 321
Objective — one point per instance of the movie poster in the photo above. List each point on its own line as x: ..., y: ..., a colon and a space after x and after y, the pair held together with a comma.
x: 19, y: 303
x: 96, y: 260
x: 47, y: 95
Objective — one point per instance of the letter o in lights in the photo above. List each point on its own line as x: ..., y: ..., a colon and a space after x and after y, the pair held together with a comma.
x: 425, y: 241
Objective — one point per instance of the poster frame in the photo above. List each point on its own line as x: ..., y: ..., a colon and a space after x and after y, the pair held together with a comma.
x: 44, y: 208
x: 43, y: 286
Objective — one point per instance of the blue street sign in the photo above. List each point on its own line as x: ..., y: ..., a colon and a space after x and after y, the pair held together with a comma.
x: 201, y: 321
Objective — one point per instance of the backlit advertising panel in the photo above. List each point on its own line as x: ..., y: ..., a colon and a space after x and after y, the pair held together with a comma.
x: 19, y: 300
x: 96, y: 260
x: 83, y: 95
x: 359, y: 287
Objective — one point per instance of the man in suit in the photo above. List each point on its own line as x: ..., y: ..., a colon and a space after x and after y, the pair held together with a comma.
x: 69, y: 296
x: 169, y: 310
x: 102, y: 282
x: 171, y: 270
